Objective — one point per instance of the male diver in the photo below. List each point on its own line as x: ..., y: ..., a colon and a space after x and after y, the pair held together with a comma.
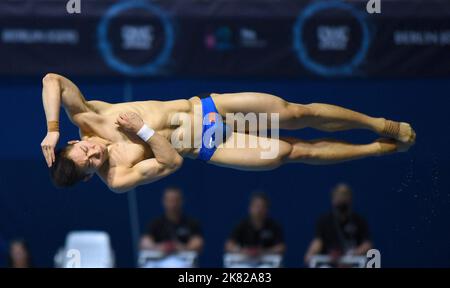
x: 130, y: 144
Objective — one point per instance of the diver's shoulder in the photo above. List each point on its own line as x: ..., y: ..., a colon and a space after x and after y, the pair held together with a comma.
x: 98, y: 106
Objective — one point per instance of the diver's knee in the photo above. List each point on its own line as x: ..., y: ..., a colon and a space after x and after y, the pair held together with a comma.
x: 299, y: 111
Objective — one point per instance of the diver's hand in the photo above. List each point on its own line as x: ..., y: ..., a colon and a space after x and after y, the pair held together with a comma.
x: 48, y: 147
x: 130, y: 122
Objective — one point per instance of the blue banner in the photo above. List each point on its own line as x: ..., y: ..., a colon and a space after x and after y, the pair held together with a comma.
x: 225, y: 38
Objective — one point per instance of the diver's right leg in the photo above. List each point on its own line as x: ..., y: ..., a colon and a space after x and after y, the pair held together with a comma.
x: 277, y: 152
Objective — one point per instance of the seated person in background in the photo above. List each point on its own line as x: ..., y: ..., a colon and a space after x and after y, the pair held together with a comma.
x: 173, y: 231
x: 19, y: 255
x: 258, y: 234
x: 341, y: 231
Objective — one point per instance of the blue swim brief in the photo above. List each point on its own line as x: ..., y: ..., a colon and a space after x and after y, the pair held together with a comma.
x: 212, y: 125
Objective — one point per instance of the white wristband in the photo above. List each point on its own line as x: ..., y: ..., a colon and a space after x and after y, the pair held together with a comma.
x: 145, y: 133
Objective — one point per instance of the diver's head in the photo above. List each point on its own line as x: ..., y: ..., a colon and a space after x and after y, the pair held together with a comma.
x: 78, y: 161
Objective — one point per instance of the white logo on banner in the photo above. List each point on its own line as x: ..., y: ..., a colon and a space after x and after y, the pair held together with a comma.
x: 73, y: 6
x: 33, y: 36
x: 137, y: 37
x: 374, y: 6
x: 333, y: 37
x: 249, y: 38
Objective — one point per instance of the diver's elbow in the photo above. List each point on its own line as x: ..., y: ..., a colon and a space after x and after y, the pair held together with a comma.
x: 177, y: 162
x: 118, y: 189
x: 50, y: 77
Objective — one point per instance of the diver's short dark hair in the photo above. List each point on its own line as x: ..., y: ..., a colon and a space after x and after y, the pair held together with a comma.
x: 64, y: 172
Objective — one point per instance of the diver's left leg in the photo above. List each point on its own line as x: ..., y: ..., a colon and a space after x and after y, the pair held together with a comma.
x: 319, y: 116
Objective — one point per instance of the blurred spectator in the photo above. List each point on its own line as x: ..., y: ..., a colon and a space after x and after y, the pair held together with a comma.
x: 341, y: 231
x: 19, y: 255
x: 258, y: 233
x: 174, y: 231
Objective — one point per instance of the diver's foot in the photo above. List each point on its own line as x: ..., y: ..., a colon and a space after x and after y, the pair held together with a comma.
x: 401, y: 131
x: 388, y: 146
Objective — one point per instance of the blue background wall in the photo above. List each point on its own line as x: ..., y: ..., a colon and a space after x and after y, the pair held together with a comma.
x: 405, y: 197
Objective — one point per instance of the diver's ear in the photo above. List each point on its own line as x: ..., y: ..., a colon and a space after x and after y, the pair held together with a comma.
x: 87, y: 177
x: 71, y: 142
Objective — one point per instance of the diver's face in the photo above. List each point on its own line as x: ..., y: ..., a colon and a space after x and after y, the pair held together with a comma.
x: 88, y: 156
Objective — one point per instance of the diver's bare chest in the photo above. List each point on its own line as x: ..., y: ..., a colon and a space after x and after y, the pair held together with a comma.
x: 127, y: 154
x: 125, y: 149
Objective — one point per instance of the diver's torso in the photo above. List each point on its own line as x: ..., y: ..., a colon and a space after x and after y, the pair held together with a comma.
x: 170, y: 119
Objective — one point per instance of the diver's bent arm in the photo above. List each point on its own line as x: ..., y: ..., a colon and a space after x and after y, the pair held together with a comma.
x: 144, y: 172
x: 57, y: 90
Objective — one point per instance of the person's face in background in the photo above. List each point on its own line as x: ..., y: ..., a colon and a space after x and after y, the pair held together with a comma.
x: 258, y: 209
x: 342, y: 198
x: 19, y: 255
x: 172, y: 202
